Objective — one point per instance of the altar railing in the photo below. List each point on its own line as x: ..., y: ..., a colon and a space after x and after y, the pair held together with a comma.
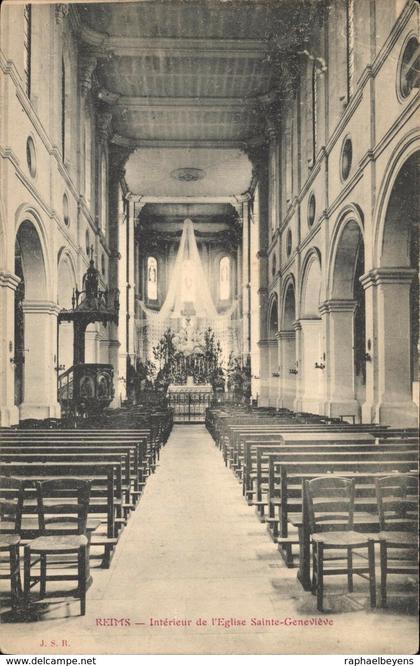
x: 189, y: 406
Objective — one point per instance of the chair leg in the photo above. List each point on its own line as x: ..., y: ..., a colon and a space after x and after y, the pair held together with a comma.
x: 320, y: 577
x: 26, y: 573
x: 372, y: 573
x: 43, y: 576
x: 82, y: 578
x: 349, y: 569
x: 314, y: 566
x: 383, y: 556
x: 15, y: 582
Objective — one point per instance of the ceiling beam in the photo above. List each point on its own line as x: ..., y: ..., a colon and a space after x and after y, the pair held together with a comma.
x: 173, y: 47
x: 182, y: 102
x: 175, y: 143
x: 189, y: 200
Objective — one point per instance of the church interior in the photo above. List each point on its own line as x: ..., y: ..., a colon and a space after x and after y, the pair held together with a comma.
x: 209, y: 313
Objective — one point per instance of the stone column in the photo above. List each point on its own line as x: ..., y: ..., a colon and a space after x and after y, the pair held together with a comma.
x: 92, y: 341
x: 132, y: 272
x: 339, y: 371
x: 246, y: 299
x: 287, y: 361
x: 109, y: 350
x: 9, y: 413
x: 264, y: 376
x: 65, y: 355
x: 388, y: 376
x: 40, y: 377
x: 311, y: 377
x: 299, y: 385
x: 273, y: 373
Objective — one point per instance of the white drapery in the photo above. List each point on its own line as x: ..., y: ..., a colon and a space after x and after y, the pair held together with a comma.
x: 188, y: 287
x: 189, y: 297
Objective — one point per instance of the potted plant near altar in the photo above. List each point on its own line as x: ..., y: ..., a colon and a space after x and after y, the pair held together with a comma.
x: 164, y: 354
x: 235, y: 378
x: 144, y: 377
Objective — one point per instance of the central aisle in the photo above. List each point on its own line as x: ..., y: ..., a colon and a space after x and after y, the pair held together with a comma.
x: 194, y: 550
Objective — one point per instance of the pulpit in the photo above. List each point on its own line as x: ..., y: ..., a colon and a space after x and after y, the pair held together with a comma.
x: 189, y: 401
x: 87, y: 388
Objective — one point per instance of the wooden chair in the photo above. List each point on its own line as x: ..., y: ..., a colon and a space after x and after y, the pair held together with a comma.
x: 11, y: 503
x: 62, y: 527
x: 397, y: 497
x: 329, y: 501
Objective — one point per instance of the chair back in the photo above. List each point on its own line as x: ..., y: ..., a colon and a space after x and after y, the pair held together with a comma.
x: 397, y: 498
x: 11, y: 504
x: 63, y: 503
x: 329, y: 501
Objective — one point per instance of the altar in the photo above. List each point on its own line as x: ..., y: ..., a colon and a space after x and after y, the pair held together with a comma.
x: 189, y: 401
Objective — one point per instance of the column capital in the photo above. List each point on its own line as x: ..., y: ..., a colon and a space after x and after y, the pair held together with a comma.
x: 40, y: 307
x: 269, y: 105
x: 391, y: 275
x: 104, y: 119
x: 266, y: 343
x: 9, y: 280
x: 338, y: 305
x: 118, y: 156
x: 61, y: 10
x: 304, y: 321
x: 242, y: 198
x: 286, y: 335
x: 133, y: 198
x: 87, y: 65
x: 116, y: 344
x: 257, y: 152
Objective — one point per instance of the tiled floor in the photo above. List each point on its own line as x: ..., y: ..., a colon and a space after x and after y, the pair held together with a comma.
x: 194, y: 551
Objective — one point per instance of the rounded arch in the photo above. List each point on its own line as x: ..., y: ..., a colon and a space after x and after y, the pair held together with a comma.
x: 273, y: 317
x: 32, y: 237
x: 398, y: 245
x: 288, y: 315
x: 407, y: 148
x: 346, y: 246
x: 310, y: 286
x: 30, y: 252
x: 66, y: 277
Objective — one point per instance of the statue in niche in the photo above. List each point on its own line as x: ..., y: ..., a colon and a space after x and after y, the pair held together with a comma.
x: 152, y: 274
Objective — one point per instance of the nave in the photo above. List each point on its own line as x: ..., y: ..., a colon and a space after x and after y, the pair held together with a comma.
x: 193, y: 549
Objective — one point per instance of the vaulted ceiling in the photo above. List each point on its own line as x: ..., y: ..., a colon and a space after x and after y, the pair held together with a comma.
x: 185, y: 76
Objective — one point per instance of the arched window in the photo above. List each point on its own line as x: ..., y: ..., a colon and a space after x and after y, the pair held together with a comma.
x: 224, y: 278
x: 152, y: 292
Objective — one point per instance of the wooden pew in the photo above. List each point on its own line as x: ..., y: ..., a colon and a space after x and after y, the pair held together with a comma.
x: 291, y: 473
x: 122, y: 505
x: 87, y: 435
x: 240, y: 435
x: 106, y: 492
x: 136, y: 451
x: 256, y: 473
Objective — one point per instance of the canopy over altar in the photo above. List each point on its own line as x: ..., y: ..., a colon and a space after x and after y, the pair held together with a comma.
x: 188, y: 311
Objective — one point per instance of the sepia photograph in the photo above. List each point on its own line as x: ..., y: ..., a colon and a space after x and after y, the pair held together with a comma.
x: 209, y: 327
